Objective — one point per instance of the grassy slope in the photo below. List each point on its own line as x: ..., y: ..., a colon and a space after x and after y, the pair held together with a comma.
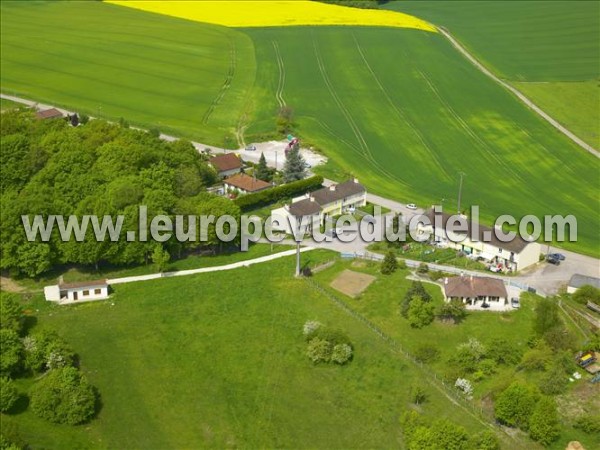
x: 217, y: 361
x: 416, y: 113
x: 380, y: 303
x: 547, y: 41
x: 115, y: 62
x: 574, y: 104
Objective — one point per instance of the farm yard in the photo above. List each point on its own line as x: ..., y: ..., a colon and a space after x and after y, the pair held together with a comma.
x: 406, y: 114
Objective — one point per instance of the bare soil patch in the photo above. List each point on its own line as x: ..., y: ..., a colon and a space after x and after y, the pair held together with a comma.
x: 352, y: 283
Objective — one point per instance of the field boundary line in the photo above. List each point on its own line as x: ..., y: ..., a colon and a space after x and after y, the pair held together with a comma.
x: 226, y: 84
x: 456, y: 44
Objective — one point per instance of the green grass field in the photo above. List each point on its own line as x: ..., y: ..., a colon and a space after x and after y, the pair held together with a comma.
x: 401, y: 109
x: 218, y: 361
x: 575, y: 104
x: 113, y: 62
x: 536, y: 41
x: 405, y: 113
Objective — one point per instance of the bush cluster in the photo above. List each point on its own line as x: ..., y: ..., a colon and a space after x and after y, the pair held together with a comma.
x: 326, y: 345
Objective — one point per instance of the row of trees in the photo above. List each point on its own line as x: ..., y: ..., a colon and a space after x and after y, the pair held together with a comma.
x: 49, y: 167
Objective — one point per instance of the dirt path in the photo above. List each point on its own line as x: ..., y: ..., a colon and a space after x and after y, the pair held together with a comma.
x: 9, y: 285
x: 518, y: 94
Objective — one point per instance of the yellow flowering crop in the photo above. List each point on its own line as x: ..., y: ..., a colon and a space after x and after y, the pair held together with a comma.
x: 249, y: 13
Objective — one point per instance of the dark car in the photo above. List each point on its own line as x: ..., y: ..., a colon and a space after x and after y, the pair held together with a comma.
x: 553, y: 260
x: 558, y: 256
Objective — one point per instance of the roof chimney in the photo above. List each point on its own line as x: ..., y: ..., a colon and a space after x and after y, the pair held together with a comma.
x: 356, y: 180
x: 286, y: 207
x: 332, y: 187
x: 312, y: 199
x: 446, y: 280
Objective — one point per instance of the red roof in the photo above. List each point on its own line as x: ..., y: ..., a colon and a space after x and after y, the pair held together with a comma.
x: 228, y: 161
x: 246, y: 183
x: 51, y: 113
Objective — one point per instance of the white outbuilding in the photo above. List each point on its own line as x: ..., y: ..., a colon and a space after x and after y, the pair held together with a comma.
x: 84, y: 291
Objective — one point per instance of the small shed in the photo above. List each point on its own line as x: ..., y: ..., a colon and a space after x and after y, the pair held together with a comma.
x: 578, y: 280
x: 51, y: 113
x: 84, y: 291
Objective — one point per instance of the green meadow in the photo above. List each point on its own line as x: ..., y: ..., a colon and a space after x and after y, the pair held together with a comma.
x: 218, y: 361
x: 110, y: 61
x: 400, y: 109
x: 555, y: 44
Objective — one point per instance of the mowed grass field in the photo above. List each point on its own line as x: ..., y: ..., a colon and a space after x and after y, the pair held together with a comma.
x: 405, y: 113
x: 110, y: 61
x: 218, y: 361
x: 532, y: 41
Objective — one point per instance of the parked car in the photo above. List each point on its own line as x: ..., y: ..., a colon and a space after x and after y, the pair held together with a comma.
x: 553, y: 260
x: 558, y: 256
x: 411, y: 206
x: 251, y: 148
x: 515, y: 303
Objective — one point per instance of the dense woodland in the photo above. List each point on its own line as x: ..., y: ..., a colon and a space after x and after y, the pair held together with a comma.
x: 49, y: 167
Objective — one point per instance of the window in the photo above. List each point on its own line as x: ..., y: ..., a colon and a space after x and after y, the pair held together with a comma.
x: 97, y: 291
x: 85, y: 293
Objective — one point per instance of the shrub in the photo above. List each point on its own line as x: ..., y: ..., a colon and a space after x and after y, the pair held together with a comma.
x: 341, y: 353
x: 319, y: 350
x: 485, y: 440
x: 12, y: 352
x: 464, y: 386
x: 588, y: 423
x: 586, y: 294
x: 537, y: 358
x: 335, y: 337
x: 8, y: 394
x: 83, y: 119
x: 416, y: 290
x: 452, y: 311
x: 426, y: 353
x: 46, y: 350
x: 423, y: 268
x: 515, y: 405
x: 11, y: 316
x: 272, y: 195
x: 543, y: 424
x: 488, y: 366
x: 63, y: 396
x: 420, y: 313
x: 554, y: 381
x: 504, y: 351
x: 417, y: 394
x: 468, y: 355
x: 310, y: 327
x: 389, y: 264
x: 401, y: 264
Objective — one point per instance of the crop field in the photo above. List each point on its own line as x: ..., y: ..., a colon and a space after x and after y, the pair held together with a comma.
x: 405, y: 113
x: 218, y: 368
x: 532, y: 41
x: 113, y: 62
x: 279, y: 13
x: 397, y: 107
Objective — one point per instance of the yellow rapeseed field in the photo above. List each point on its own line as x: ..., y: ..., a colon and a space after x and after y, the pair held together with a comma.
x: 249, y: 13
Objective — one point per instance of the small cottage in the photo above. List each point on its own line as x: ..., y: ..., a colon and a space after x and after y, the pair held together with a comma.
x: 84, y: 291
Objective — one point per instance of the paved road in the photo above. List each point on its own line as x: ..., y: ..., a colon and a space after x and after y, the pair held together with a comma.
x: 519, y: 95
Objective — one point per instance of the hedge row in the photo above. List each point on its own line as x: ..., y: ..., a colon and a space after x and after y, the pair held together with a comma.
x: 272, y: 195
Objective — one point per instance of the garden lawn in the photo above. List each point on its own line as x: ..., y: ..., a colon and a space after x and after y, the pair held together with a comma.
x: 217, y: 360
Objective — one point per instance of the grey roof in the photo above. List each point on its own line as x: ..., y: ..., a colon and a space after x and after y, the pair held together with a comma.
x: 305, y: 207
x: 579, y: 280
x: 516, y: 245
x: 337, y: 192
x: 471, y: 287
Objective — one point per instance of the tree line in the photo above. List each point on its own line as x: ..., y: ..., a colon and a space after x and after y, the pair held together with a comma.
x: 50, y: 167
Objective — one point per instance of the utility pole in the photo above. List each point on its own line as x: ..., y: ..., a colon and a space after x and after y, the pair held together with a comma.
x: 460, y: 190
x: 298, y: 259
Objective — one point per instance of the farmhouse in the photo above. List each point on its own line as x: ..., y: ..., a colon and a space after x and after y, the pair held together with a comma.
x: 476, y: 292
x: 245, y: 184
x: 68, y: 293
x: 51, y: 113
x: 226, y: 165
x: 579, y: 280
x: 480, y: 241
x: 314, y: 208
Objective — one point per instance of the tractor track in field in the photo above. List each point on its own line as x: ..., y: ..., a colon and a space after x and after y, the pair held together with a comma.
x: 401, y: 115
x: 226, y: 83
x: 456, y: 44
x: 365, y: 150
x: 281, y: 81
x: 470, y: 132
